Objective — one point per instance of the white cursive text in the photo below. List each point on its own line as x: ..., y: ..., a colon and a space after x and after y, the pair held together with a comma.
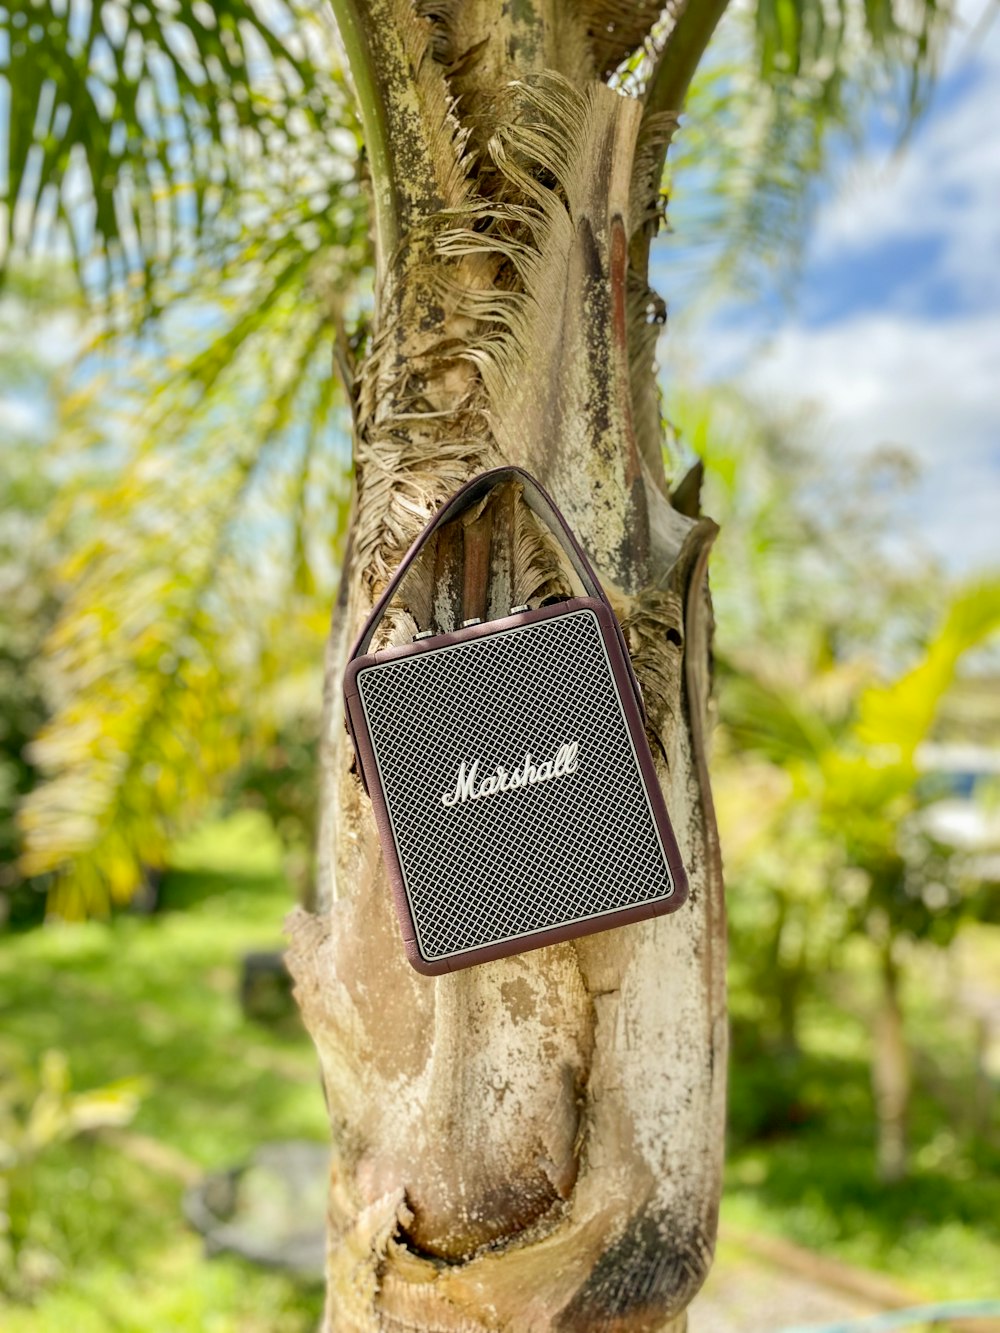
x: 469, y: 787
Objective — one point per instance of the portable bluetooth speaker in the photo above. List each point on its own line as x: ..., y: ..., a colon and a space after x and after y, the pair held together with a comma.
x: 507, y: 763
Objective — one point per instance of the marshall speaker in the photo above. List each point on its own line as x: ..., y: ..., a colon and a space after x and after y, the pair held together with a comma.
x: 507, y: 763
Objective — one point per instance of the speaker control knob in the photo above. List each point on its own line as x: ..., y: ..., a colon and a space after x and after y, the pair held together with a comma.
x: 516, y: 610
x: 473, y: 620
x: 424, y: 634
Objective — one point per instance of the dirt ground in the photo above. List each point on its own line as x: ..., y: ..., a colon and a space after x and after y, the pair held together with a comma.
x: 745, y: 1295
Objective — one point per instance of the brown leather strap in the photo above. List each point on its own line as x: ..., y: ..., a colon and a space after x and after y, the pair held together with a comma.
x: 542, y: 504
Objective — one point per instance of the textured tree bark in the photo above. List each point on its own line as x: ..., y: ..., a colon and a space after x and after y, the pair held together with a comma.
x: 536, y: 1143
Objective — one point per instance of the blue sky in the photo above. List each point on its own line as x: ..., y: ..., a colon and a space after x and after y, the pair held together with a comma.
x: 893, y: 334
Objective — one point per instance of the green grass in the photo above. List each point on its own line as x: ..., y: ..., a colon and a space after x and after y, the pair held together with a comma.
x: 157, y: 997
x: 801, y: 1162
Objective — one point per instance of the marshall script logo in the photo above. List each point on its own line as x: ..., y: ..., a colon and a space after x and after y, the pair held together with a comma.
x: 468, y: 786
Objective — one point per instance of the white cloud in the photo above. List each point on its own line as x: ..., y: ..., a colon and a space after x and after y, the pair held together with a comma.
x: 19, y: 417
x: 929, y: 386
x: 944, y: 184
x: 903, y: 374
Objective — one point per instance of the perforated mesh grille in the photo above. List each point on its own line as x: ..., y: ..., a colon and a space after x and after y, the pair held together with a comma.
x: 515, y: 862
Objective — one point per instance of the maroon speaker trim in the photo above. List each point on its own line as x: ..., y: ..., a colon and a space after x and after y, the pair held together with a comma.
x: 624, y: 682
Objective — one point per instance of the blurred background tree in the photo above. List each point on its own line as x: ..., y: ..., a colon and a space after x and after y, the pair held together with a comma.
x: 199, y: 170
x: 29, y: 603
x: 823, y: 796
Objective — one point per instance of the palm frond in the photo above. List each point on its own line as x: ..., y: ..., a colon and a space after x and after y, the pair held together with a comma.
x: 899, y: 716
x: 767, y: 720
x: 815, y: 40
x: 199, y: 586
x: 130, y: 126
x: 783, y: 83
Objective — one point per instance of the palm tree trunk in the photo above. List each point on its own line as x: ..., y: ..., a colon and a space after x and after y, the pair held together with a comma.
x: 891, y: 1074
x: 536, y: 1143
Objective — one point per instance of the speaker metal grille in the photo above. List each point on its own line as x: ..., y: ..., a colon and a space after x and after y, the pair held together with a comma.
x: 512, y: 863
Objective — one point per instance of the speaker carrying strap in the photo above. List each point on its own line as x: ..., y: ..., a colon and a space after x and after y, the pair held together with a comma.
x: 540, y: 503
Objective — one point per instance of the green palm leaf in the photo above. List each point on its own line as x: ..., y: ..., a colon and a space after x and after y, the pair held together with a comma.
x: 894, y: 719
x: 130, y: 126
x: 782, y: 83
x: 200, y: 586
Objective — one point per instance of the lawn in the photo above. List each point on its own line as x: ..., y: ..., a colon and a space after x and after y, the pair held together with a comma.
x: 801, y: 1159
x: 156, y: 997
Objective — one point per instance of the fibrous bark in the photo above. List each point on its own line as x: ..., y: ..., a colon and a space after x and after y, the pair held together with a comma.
x: 532, y: 1144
